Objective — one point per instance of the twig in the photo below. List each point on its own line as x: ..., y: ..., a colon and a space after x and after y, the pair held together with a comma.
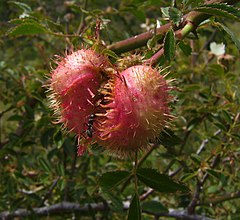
x: 135, y: 172
x: 205, y: 141
x: 140, y: 162
x: 1, y: 114
x: 184, y: 141
x: 192, y: 205
x: 68, y: 207
x: 195, y: 200
x: 146, y: 194
x: 155, y: 58
x: 223, y: 198
x: 189, y: 131
x: 210, y: 39
x: 72, y: 170
x: 6, y: 110
x: 48, y: 194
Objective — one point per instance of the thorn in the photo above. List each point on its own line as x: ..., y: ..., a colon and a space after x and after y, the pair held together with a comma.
x: 91, y: 93
x: 147, y: 121
x: 90, y: 102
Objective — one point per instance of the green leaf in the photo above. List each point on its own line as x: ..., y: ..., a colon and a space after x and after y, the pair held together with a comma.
x: 188, y: 176
x: 237, y: 136
x: 60, y: 169
x: 228, y: 8
x: 46, y: 137
x: 45, y: 165
x: 21, y: 5
x: 165, y: 12
x: 186, y: 49
x: 153, y: 41
x: 134, y: 212
x: 233, y: 37
x: 112, y: 179
x: 140, y: 14
x: 227, y: 116
x: 191, y: 88
x: 192, y: 2
x: 169, y: 44
x: 16, y: 203
x: 110, y: 53
x: 28, y: 28
x: 169, y: 139
x: 116, y: 202
x: 193, y: 123
x: 221, y: 125
x: 61, y: 184
x: 216, y: 69
x: 216, y: 174
x: 175, y: 15
x: 222, y: 10
x: 159, y: 182
x: 154, y: 207
x: 15, y: 118
x: 195, y: 158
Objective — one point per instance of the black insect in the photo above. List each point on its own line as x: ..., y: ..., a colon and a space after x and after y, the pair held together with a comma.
x: 89, y: 130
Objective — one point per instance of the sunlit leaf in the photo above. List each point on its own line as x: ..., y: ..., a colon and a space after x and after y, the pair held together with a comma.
x: 165, y: 12
x: 21, y: 5
x: 28, y: 29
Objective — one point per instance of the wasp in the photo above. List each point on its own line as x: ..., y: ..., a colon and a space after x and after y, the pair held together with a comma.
x: 89, y: 131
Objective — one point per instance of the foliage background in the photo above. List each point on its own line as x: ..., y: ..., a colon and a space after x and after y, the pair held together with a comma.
x: 38, y: 162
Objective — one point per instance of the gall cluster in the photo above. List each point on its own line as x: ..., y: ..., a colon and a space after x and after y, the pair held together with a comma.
x: 120, y: 110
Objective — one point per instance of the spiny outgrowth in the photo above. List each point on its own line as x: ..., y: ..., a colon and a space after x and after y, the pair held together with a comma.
x: 74, y: 86
x: 136, y: 110
x: 120, y: 111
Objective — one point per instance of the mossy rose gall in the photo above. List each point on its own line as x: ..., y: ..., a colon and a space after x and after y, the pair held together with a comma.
x: 136, y: 110
x: 74, y: 85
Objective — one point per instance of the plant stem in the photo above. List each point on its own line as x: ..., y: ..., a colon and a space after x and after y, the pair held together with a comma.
x: 180, y: 34
x: 155, y: 58
x: 135, y: 172
x: 137, y: 41
x: 82, y: 22
x: 139, y: 163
